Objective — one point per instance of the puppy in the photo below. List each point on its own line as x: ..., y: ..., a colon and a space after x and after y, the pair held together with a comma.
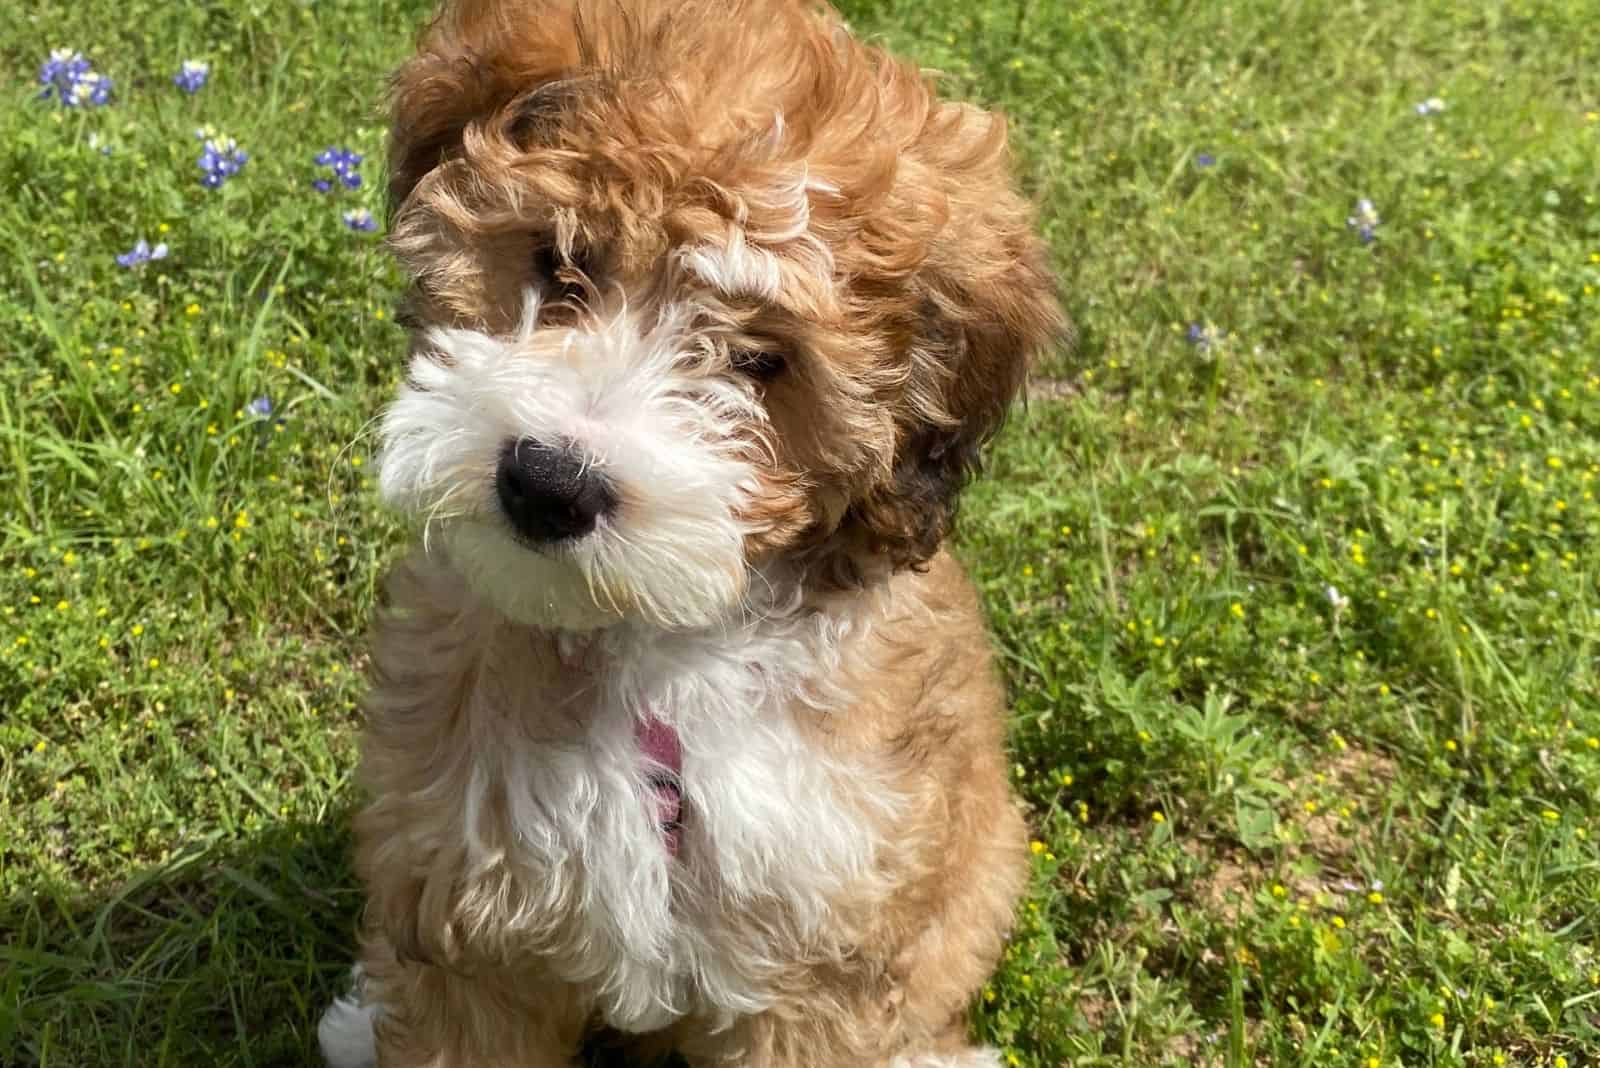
x: 683, y: 727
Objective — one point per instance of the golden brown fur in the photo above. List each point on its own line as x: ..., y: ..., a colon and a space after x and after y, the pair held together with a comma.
x: 870, y: 233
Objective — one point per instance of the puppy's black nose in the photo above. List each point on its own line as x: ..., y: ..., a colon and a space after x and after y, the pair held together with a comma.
x: 548, y: 492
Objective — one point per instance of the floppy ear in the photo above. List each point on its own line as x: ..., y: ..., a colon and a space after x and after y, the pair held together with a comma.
x: 987, y: 307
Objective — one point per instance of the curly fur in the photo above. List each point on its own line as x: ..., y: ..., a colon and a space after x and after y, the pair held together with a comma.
x: 779, y: 294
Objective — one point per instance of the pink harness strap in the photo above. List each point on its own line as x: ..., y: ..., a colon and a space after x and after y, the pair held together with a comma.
x: 659, y: 744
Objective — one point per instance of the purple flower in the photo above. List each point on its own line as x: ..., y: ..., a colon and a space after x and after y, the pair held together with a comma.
x: 1365, y: 221
x: 261, y: 407
x: 142, y: 253
x: 1204, y: 160
x: 191, y: 77
x: 68, y: 77
x: 344, y: 163
x: 63, y: 66
x: 360, y: 219
x: 220, y: 157
x: 63, y: 73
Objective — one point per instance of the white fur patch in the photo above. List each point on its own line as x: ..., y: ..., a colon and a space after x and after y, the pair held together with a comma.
x: 739, y: 270
x: 345, y: 1031
x: 772, y: 823
x: 675, y: 440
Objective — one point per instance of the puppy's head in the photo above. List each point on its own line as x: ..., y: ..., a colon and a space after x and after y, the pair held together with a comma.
x: 703, y: 289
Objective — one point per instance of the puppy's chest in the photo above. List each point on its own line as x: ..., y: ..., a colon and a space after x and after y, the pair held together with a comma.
x: 669, y: 781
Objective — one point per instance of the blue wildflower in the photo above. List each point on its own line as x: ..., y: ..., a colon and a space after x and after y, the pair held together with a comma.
x: 60, y: 73
x: 1204, y: 336
x: 360, y: 219
x: 261, y: 407
x: 191, y: 77
x: 91, y: 90
x: 1365, y: 221
x: 68, y: 76
x: 220, y: 157
x: 345, y: 164
x: 1204, y: 160
x: 142, y: 253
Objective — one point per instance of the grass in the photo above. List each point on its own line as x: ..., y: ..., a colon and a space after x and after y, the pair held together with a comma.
x: 1300, y: 620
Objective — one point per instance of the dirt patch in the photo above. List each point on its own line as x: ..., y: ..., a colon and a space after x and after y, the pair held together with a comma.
x: 1317, y: 859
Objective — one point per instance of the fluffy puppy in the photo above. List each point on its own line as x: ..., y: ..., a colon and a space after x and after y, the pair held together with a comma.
x: 684, y: 728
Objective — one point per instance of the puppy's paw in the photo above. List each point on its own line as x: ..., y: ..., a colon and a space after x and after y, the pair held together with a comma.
x: 345, y: 1031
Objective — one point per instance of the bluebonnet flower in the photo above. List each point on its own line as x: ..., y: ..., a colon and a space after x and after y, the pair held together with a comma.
x: 61, y: 72
x: 141, y: 253
x: 191, y: 77
x: 345, y: 165
x: 1365, y: 221
x: 261, y: 407
x: 1204, y: 336
x: 62, y: 68
x: 1204, y: 160
x: 1431, y: 106
x: 360, y: 219
x: 68, y: 76
x: 90, y: 90
x: 220, y: 157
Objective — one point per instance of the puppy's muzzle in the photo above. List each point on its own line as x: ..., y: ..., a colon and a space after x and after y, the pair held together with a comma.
x: 550, y: 492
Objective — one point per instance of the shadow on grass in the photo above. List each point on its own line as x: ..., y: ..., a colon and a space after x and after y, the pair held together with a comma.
x: 219, y: 956
x: 223, y: 956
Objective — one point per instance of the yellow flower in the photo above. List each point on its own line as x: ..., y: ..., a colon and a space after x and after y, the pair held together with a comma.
x: 138, y: 629
x: 1158, y: 817
x: 1437, y: 1020
x: 175, y: 389
x: 1237, y: 609
x: 155, y: 661
x: 1037, y: 846
x: 1375, y: 897
x: 62, y: 606
x: 1066, y: 776
x: 1551, y: 814
x: 1338, y: 921
x: 1278, y: 890
x: 192, y: 310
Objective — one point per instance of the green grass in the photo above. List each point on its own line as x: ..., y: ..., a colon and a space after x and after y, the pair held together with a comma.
x: 1302, y: 614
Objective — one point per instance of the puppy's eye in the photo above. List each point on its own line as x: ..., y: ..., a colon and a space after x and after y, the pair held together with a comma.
x: 558, y: 276
x: 546, y: 262
x: 763, y: 365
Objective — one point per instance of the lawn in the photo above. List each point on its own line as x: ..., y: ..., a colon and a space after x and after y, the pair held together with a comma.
x: 1292, y: 558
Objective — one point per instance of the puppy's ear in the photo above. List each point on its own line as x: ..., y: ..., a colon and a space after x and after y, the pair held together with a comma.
x: 988, y: 306
x: 473, y: 59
